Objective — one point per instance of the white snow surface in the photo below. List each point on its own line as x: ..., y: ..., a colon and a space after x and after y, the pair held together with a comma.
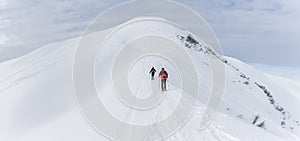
x: 37, y: 101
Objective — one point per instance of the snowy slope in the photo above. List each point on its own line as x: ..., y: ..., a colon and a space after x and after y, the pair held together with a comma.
x: 37, y: 99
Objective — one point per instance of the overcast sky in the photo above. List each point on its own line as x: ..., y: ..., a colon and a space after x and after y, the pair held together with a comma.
x: 255, y: 31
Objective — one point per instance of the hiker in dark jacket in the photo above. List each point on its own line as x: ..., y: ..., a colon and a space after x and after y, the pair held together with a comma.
x: 152, y: 72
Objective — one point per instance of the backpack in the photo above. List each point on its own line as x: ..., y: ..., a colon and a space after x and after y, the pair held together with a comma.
x: 164, y: 74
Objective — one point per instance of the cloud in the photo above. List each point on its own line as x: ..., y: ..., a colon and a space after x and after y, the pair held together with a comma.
x: 3, y: 38
x: 256, y: 31
x: 29, y: 24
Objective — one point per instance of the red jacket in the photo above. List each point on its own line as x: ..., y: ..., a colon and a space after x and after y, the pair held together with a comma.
x: 165, y: 77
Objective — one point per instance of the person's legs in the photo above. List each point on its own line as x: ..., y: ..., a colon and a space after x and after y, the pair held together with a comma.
x: 163, y: 85
x: 152, y: 76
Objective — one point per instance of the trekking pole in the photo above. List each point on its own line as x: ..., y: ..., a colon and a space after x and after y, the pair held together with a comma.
x: 159, y: 83
x: 167, y: 85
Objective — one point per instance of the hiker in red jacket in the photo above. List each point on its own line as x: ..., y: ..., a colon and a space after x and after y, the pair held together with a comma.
x: 163, y: 74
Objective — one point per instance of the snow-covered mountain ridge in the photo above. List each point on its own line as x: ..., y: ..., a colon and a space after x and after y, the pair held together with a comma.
x: 238, y: 67
x: 37, y: 98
